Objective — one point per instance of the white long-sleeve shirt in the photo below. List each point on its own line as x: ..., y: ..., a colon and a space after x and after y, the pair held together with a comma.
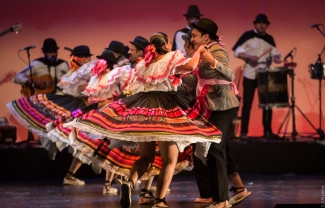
x: 39, y: 69
x: 179, y: 42
x: 255, y: 44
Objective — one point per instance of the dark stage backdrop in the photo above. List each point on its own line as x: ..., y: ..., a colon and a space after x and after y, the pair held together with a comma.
x: 95, y: 23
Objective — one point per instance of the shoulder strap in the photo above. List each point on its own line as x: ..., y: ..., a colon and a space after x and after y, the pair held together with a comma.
x: 55, y: 63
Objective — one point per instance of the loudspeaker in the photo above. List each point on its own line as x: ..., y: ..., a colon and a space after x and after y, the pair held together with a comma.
x: 8, y: 134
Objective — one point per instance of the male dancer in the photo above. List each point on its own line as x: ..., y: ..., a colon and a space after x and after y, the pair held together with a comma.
x: 119, y: 51
x: 219, y: 107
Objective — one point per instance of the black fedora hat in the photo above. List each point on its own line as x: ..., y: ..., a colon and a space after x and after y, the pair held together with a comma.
x: 108, y: 56
x: 140, y: 42
x: 188, y: 36
x: 261, y: 18
x: 81, y: 50
x: 208, y: 26
x: 193, y: 11
x: 126, y: 52
x: 116, y: 46
x: 49, y: 45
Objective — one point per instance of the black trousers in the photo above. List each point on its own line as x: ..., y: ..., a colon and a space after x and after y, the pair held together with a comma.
x: 219, y: 161
x: 249, y: 90
x: 201, y: 172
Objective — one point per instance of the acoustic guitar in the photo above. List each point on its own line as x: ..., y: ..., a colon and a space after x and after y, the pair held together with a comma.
x: 47, y: 79
x: 13, y: 28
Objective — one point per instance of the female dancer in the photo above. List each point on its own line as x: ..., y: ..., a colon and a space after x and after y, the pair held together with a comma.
x: 36, y: 111
x: 154, y: 112
x: 104, y: 86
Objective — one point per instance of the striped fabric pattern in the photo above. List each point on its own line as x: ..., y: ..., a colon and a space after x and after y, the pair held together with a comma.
x: 136, y: 117
x: 36, y: 111
x: 117, y: 160
x: 120, y: 160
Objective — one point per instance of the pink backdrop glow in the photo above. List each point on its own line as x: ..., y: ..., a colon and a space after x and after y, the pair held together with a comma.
x: 96, y: 23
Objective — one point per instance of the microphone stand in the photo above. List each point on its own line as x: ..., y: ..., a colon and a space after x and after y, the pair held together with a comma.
x: 266, y: 81
x: 293, y: 105
x: 30, y: 136
x: 32, y: 89
x: 319, y: 62
x: 320, y: 31
x: 319, y: 59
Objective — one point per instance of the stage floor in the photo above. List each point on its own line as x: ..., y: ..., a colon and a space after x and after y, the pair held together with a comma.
x: 252, y: 157
x: 267, y: 191
x: 276, y: 172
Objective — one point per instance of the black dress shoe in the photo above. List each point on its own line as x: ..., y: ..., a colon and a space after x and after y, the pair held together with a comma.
x: 271, y: 136
x: 243, y: 136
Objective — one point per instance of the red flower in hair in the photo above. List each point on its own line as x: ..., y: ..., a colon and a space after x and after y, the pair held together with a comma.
x: 149, y: 54
x: 100, y: 68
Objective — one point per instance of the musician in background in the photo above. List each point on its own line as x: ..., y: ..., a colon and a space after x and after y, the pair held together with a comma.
x: 254, y: 47
x: 45, y: 104
x: 193, y: 15
x: 48, y: 65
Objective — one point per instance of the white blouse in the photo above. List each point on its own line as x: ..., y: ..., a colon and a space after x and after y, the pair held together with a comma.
x: 71, y: 80
x: 160, y: 75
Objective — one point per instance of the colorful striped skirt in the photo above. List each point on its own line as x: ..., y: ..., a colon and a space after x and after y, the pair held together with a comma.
x: 90, y: 148
x: 149, y: 116
x: 36, y: 111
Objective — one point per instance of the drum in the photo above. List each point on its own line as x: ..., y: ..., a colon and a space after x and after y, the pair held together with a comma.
x: 317, y: 71
x: 277, y: 87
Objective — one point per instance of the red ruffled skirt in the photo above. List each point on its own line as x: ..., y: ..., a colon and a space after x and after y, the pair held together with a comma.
x: 149, y: 116
x: 36, y: 111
